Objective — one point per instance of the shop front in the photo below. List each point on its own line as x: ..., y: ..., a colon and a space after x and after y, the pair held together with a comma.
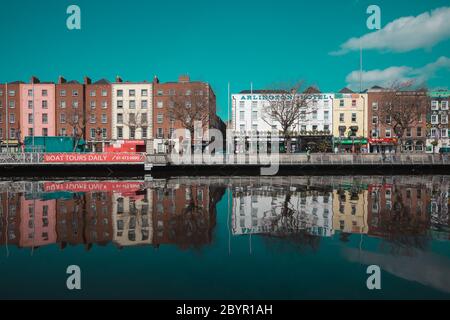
x: 10, y: 146
x: 350, y: 145
x: 383, y: 145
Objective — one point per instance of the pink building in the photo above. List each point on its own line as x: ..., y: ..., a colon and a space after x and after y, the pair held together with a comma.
x: 43, y: 113
x: 37, y: 223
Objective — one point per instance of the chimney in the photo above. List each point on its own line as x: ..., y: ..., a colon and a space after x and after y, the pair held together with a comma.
x: 34, y: 80
x: 61, y: 80
x: 87, y: 80
x: 118, y: 79
x: 155, y: 79
x: 183, y: 79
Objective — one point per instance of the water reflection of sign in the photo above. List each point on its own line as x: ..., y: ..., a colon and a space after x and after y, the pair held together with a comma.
x: 90, y: 186
x: 94, y: 158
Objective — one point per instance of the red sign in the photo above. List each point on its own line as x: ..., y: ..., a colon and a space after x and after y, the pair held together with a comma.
x: 383, y: 140
x: 89, y: 186
x: 94, y: 158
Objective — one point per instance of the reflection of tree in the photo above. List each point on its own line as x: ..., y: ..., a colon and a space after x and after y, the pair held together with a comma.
x: 300, y: 241
x: 402, y: 229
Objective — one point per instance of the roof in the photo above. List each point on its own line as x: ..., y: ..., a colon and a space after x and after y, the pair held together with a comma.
x: 346, y: 90
x: 263, y: 91
x: 312, y: 90
x: 102, y: 81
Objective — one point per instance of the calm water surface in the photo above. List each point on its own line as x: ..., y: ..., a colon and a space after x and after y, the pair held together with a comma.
x: 227, y: 238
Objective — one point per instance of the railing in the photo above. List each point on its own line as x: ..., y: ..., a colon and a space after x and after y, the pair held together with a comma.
x: 303, y: 159
x: 21, y: 158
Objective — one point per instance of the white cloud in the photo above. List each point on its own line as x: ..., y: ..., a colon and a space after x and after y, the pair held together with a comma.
x: 388, y: 76
x: 404, y: 34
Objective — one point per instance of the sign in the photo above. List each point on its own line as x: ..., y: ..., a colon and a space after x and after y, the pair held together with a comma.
x: 286, y: 96
x: 94, y: 158
x: 350, y: 141
x: 383, y: 141
x: 90, y: 186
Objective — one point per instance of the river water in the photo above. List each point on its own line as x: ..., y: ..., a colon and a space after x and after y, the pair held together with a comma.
x: 227, y: 238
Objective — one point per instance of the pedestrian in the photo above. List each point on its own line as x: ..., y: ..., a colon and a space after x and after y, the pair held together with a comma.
x: 308, y: 154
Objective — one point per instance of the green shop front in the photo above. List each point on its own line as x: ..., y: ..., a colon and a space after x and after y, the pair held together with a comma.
x: 350, y: 145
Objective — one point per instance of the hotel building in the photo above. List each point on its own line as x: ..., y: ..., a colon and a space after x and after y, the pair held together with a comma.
x: 438, y: 135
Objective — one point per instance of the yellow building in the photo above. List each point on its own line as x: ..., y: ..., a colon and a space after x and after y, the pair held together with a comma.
x: 350, y: 211
x: 350, y: 121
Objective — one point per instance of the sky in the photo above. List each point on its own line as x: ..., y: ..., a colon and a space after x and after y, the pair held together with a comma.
x: 264, y: 42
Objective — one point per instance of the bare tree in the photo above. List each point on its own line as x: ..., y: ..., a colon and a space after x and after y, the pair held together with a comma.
x: 74, y: 118
x: 190, y: 109
x: 402, y: 107
x: 286, y: 110
x: 135, y: 120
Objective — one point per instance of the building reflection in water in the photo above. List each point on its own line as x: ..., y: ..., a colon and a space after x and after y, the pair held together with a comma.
x: 405, y: 212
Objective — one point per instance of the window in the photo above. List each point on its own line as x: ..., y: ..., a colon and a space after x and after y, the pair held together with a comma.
x: 30, y: 104
x: 62, y: 118
x: 353, y: 103
x: 132, y: 118
x: 132, y: 104
x: 93, y: 104
x: 119, y: 104
x: 44, y: 93
x: 62, y: 93
x: 12, y: 118
x: 104, y: 93
x: 74, y: 93
x: 75, y: 118
x: 1, y: 92
x: 132, y: 93
x: 159, y: 118
x: 120, y: 132
x: 408, y: 132
x: 388, y: 133
x: 326, y: 127
x: 143, y: 117
x: 30, y: 132
x: 120, y: 118
x: 92, y: 93
x: 1, y: 119
x: 433, y: 132
x: 188, y: 92
x: 444, y: 105
x: 254, y: 127
x: 171, y: 92
x: 1, y: 104
x: 92, y: 118
x: 326, y: 115
x: 132, y: 132
x: 326, y: 103
x: 242, y: 115
x: 374, y: 120
x: 12, y: 93
x: 341, y: 103
x: 120, y: 93
x: 419, y: 131
x: 419, y: 118
x: 104, y: 104
x: 144, y: 92
x: 160, y: 133
x: 104, y: 133
x: 434, y: 105
x: 45, y: 132
x: 75, y: 104
x: 444, y: 118
x: 254, y: 115
x: 12, y: 104
x: 93, y: 131
x: 375, y: 105
x: 188, y: 104
x: 341, y: 117
x: 353, y: 117
x: 144, y: 104
x: 314, y: 127
x: 45, y: 118
x: 444, y: 133
x: 388, y: 119
x: 63, y: 132
x: 104, y: 118
x: 144, y: 132
x: 12, y: 133
x: 44, y: 104
x: 434, y: 119
x: 314, y: 115
x: 375, y: 133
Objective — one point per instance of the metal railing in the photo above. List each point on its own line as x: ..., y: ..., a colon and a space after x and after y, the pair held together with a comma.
x: 21, y: 158
x: 303, y: 159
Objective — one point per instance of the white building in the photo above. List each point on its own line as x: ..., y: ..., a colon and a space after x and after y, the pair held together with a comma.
x: 132, y: 111
x: 258, y: 211
x: 248, y: 112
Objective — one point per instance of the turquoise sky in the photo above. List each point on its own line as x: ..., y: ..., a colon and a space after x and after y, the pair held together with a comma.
x: 259, y: 41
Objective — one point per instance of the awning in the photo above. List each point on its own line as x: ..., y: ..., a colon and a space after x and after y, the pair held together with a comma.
x: 350, y: 141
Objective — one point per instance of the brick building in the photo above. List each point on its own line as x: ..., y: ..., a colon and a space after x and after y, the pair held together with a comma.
x: 70, y: 119
x: 10, y: 135
x: 438, y: 114
x: 98, y: 114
